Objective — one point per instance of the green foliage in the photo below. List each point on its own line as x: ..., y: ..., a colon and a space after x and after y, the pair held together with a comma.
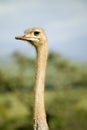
x: 65, y: 96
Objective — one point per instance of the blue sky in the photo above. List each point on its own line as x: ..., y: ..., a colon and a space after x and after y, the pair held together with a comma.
x: 65, y: 22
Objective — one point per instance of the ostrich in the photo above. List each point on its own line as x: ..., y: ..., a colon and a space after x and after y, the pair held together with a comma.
x: 37, y: 37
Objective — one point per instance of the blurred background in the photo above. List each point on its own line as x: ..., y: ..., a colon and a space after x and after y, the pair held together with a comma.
x: 65, y: 23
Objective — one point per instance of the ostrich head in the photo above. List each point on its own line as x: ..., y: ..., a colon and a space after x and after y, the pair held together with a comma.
x: 36, y: 36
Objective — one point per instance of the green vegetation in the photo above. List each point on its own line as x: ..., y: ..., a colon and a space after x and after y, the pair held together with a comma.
x: 65, y: 95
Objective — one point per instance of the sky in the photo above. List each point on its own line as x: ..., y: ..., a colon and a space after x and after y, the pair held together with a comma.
x: 65, y: 23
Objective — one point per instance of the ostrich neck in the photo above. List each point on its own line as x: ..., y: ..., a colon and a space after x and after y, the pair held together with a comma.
x: 40, y: 82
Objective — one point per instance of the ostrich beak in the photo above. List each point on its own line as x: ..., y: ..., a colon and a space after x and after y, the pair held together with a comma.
x: 26, y: 38
x: 20, y: 37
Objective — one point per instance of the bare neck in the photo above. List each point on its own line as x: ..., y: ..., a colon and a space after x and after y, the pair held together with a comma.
x: 40, y: 82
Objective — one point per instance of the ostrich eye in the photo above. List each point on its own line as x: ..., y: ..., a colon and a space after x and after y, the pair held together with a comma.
x: 36, y: 33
